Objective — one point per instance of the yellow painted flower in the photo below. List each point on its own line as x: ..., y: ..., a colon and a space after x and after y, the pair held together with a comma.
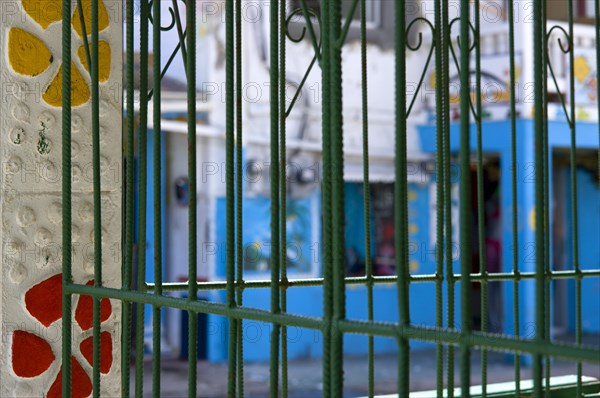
x: 28, y: 55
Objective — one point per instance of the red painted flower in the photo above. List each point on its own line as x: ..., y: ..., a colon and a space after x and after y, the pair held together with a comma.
x: 32, y: 355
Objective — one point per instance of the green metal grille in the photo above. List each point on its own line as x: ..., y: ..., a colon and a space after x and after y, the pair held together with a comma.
x: 328, y: 39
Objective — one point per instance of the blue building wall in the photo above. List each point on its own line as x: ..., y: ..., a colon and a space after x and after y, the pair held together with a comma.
x: 588, y: 203
x: 309, y: 300
x: 497, y: 140
x: 150, y: 242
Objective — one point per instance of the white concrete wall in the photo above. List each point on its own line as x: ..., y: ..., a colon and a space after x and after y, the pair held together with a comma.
x: 30, y: 206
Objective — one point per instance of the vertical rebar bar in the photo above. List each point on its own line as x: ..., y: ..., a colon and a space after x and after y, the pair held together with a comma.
x: 142, y: 197
x: 538, y: 41
x: 67, y: 275
x: 239, y: 195
x: 367, y: 193
x: 129, y: 203
x: 465, y: 202
x: 337, y: 195
x: 230, y: 192
x: 514, y: 202
x: 157, y: 199
x: 400, y: 198
x: 275, y: 196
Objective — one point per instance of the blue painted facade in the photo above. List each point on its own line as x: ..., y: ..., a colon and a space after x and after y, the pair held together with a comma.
x: 150, y: 243
x: 309, y: 300
x: 496, y: 141
x: 304, y: 257
x: 588, y: 203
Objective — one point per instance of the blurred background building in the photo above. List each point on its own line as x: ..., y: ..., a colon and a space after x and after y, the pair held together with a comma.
x: 304, y: 169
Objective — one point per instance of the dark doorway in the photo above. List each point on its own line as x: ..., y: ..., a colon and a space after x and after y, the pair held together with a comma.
x: 492, y: 245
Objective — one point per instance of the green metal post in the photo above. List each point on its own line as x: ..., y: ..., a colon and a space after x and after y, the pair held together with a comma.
x: 275, y: 262
x: 538, y: 40
x: 142, y: 196
x: 157, y: 199
x: 239, y: 195
x: 230, y: 192
x: 337, y: 195
x: 465, y: 203
x: 67, y: 276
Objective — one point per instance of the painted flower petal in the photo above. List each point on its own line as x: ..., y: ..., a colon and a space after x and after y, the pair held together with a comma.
x: 81, y: 384
x: 104, y: 60
x: 80, y: 92
x: 31, y: 355
x: 86, y: 5
x: 44, y: 300
x: 106, y: 358
x: 44, y: 12
x: 27, y: 54
x: 85, y: 310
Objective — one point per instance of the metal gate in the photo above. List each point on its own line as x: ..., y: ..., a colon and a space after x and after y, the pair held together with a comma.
x: 326, y: 28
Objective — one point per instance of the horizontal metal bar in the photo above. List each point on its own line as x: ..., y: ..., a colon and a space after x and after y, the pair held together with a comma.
x: 360, y: 280
x: 492, y: 342
x: 489, y: 341
x: 198, y: 306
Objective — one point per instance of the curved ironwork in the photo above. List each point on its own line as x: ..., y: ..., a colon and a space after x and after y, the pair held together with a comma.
x: 182, y: 33
x: 171, y: 25
x: 298, y: 39
x: 565, y: 50
x: 307, y: 13
x: 288, y: 21
x: 415, y: 48
x: 471, y: 46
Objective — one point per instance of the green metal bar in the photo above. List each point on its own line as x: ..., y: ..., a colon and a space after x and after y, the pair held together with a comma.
x: 498, y: 343
x: 546, y: 153
x: 465, y: 201
x: 180, y: 32
x: 362, y: 280
x: 299, y: 87
x: 67, y: 275
x: 156, y: 182
x: 275, y: 197
x: 327, y: 221
x: 230, y: 192
x: 439, y: 159
x: 86, y: 44
x: 540, y: 337
x: 97, y: 198
x: 556, y: 84
x: 574, y: 212
x: 480, y: 197
x: 337, y: 195
x: 400, y: 199
x: 347, y: 21
x: 311, y: 29
x: 193, y: 202
x: 333, y: 324
x: 367, y: 193
x: 239, y: 195
x: 283, y: 191
x: 142, y: 197
x: 444, y: 81
x: 515, y: 211
x: 129, y: 205
x: 169, y: 61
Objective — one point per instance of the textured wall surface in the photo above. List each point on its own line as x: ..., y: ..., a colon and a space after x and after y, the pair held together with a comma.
x: 30, y: 205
